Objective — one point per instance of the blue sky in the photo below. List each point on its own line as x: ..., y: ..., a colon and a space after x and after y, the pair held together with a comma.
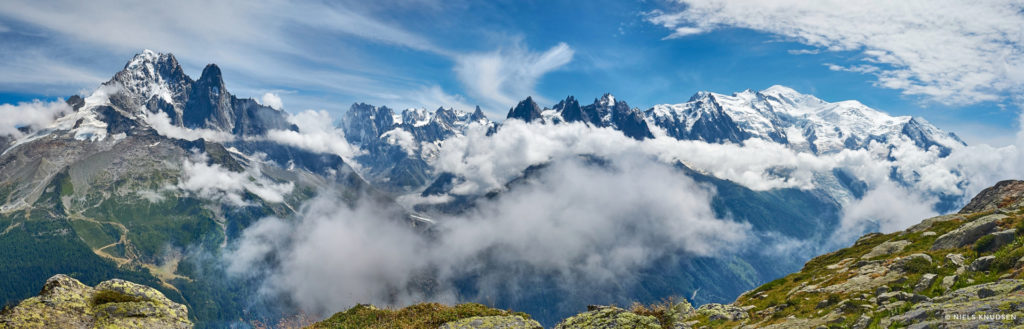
x: 429, y: 53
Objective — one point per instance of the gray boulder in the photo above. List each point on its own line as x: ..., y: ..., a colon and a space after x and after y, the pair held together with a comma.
x: 926, y: 281
x: 886, y: 248
x: 902, y: 263
x: 1000, y: 239
x: 715, y: 311
x: 968, y: 233
x: 608, y: 317
x: 956, y: 259
x: 949, y: 281
x: 982, y: 263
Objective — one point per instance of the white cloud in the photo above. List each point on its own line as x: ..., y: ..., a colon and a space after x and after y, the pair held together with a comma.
x: 35, y: 114
x: 488, y: 162
x: 316, y: 133
x: 622, y: 218
x: 272, y: 100
x: 953, y: 52
x: 885, y: 208
x: 502, y: 77
x: 266, y: 41
x: 367, y: 257
x: 621, y: 215
x: 162, y: 124
x: 223, y: 32
x: 211, y: 181
x: 35, y: 71
x: 151, y: 196
x: 402, y: 138
x: 434, y: 97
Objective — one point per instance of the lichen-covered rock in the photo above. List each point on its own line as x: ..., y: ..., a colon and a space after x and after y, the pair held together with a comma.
x: 681, y: 311
x: 992, y: 305
x: 968, y: 233
x: 886, y: 248
x: 67, y: 303
x: 982, y: 263
x: 926, y: 281
x: 715, y: 311
x: 956, y: 259
x: 493, y: 322
x: 608, y: 317
x: 902, y: 264
x: 927, y: 223
x: 1000, y: 239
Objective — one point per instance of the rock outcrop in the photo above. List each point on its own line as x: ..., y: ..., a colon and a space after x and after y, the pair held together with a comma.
x: 967, y: 233
x: 493, y: 322
x: 1007, y: 194
x: 609, y: 317
x: 67, y: 303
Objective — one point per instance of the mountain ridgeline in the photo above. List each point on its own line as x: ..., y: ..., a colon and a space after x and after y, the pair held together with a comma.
x: 155, y: 177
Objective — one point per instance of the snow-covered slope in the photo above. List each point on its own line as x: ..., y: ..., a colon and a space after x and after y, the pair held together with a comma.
x: 802, y: 122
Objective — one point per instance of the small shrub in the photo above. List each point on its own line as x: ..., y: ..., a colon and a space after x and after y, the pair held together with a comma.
x: 1006, y: 258
x: 983, y: 243
x: 918, y: 266
x: 661, y: 311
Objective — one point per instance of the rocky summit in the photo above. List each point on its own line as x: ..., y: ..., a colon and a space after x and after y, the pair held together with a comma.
x: 67, y: 303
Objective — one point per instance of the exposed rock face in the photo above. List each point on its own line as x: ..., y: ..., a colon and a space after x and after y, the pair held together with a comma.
x: 67, y: 303
x: 715, y: 311
x: 604, y: 112
x: 493, y: 322
x: 968, y: 307
x: 967, y: 233
x: 886, y: 248
x: 608, y: 317
x: 982, y: 263
x: 527, y: 110
x: 1005, y: 194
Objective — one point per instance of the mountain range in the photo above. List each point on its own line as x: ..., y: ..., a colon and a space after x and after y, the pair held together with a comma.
x: 155, y: 177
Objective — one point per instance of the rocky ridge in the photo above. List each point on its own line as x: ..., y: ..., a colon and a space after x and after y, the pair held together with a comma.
x: 67, y: 303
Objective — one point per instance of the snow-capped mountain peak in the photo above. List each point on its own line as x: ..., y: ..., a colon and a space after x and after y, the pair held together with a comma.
x: 801, y: 121
x: 606, y: 100
x: 150, y: 74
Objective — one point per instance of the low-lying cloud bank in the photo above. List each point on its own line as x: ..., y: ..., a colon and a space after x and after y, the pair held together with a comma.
x: 214, y: 182
x: 35, y: 115
x: 581, y: 225
x: 584, y: 224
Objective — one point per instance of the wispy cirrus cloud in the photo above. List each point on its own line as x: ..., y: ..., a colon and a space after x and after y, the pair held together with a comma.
x: 952, y: 52
x: 501, y: 78
x: 309, y: 46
